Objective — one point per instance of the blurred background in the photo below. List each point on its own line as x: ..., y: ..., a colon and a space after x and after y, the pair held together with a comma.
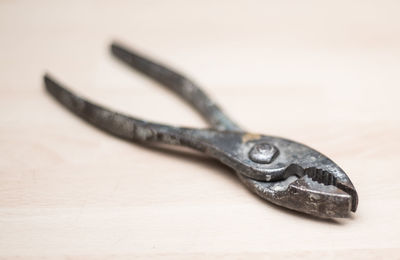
x: 325, y: 73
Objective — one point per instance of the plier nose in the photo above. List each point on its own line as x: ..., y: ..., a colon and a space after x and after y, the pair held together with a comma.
x: 279, y: 170
x: 305, y: 195
x: 311, y: 183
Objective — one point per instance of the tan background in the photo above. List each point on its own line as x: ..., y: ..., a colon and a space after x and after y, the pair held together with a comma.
x: 325, y: 74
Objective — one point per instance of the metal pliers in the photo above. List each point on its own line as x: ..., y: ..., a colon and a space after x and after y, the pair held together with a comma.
x: 284, y: 172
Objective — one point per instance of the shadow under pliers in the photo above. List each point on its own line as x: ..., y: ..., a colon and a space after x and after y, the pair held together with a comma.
x: 279, y: 170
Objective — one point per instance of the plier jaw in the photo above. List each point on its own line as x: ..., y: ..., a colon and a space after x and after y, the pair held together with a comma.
x: 286, y: 173
x: 279, y: 170
x: 304, y: 195
x: 302, y: 179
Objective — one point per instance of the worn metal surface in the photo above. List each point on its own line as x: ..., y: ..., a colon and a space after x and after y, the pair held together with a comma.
x: 281, y: 171
x: 179, y: 84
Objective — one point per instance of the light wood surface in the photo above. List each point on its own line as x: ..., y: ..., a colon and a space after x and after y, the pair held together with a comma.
x: 322, y: 73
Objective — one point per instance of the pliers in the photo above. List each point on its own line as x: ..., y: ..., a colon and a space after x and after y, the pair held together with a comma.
x: 281, y: 171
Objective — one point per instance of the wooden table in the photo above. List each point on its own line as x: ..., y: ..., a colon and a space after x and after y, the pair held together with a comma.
x: 324, y: 74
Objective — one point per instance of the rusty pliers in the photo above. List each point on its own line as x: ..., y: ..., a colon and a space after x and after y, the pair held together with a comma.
x: 279, y: 170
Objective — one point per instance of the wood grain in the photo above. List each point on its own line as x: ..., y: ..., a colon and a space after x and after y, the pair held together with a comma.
x: 322, y: 73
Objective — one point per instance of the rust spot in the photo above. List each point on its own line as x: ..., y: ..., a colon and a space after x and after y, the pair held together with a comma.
x: 247, y: 137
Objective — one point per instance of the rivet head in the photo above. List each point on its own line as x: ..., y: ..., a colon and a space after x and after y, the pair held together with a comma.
x: 263, y: 153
